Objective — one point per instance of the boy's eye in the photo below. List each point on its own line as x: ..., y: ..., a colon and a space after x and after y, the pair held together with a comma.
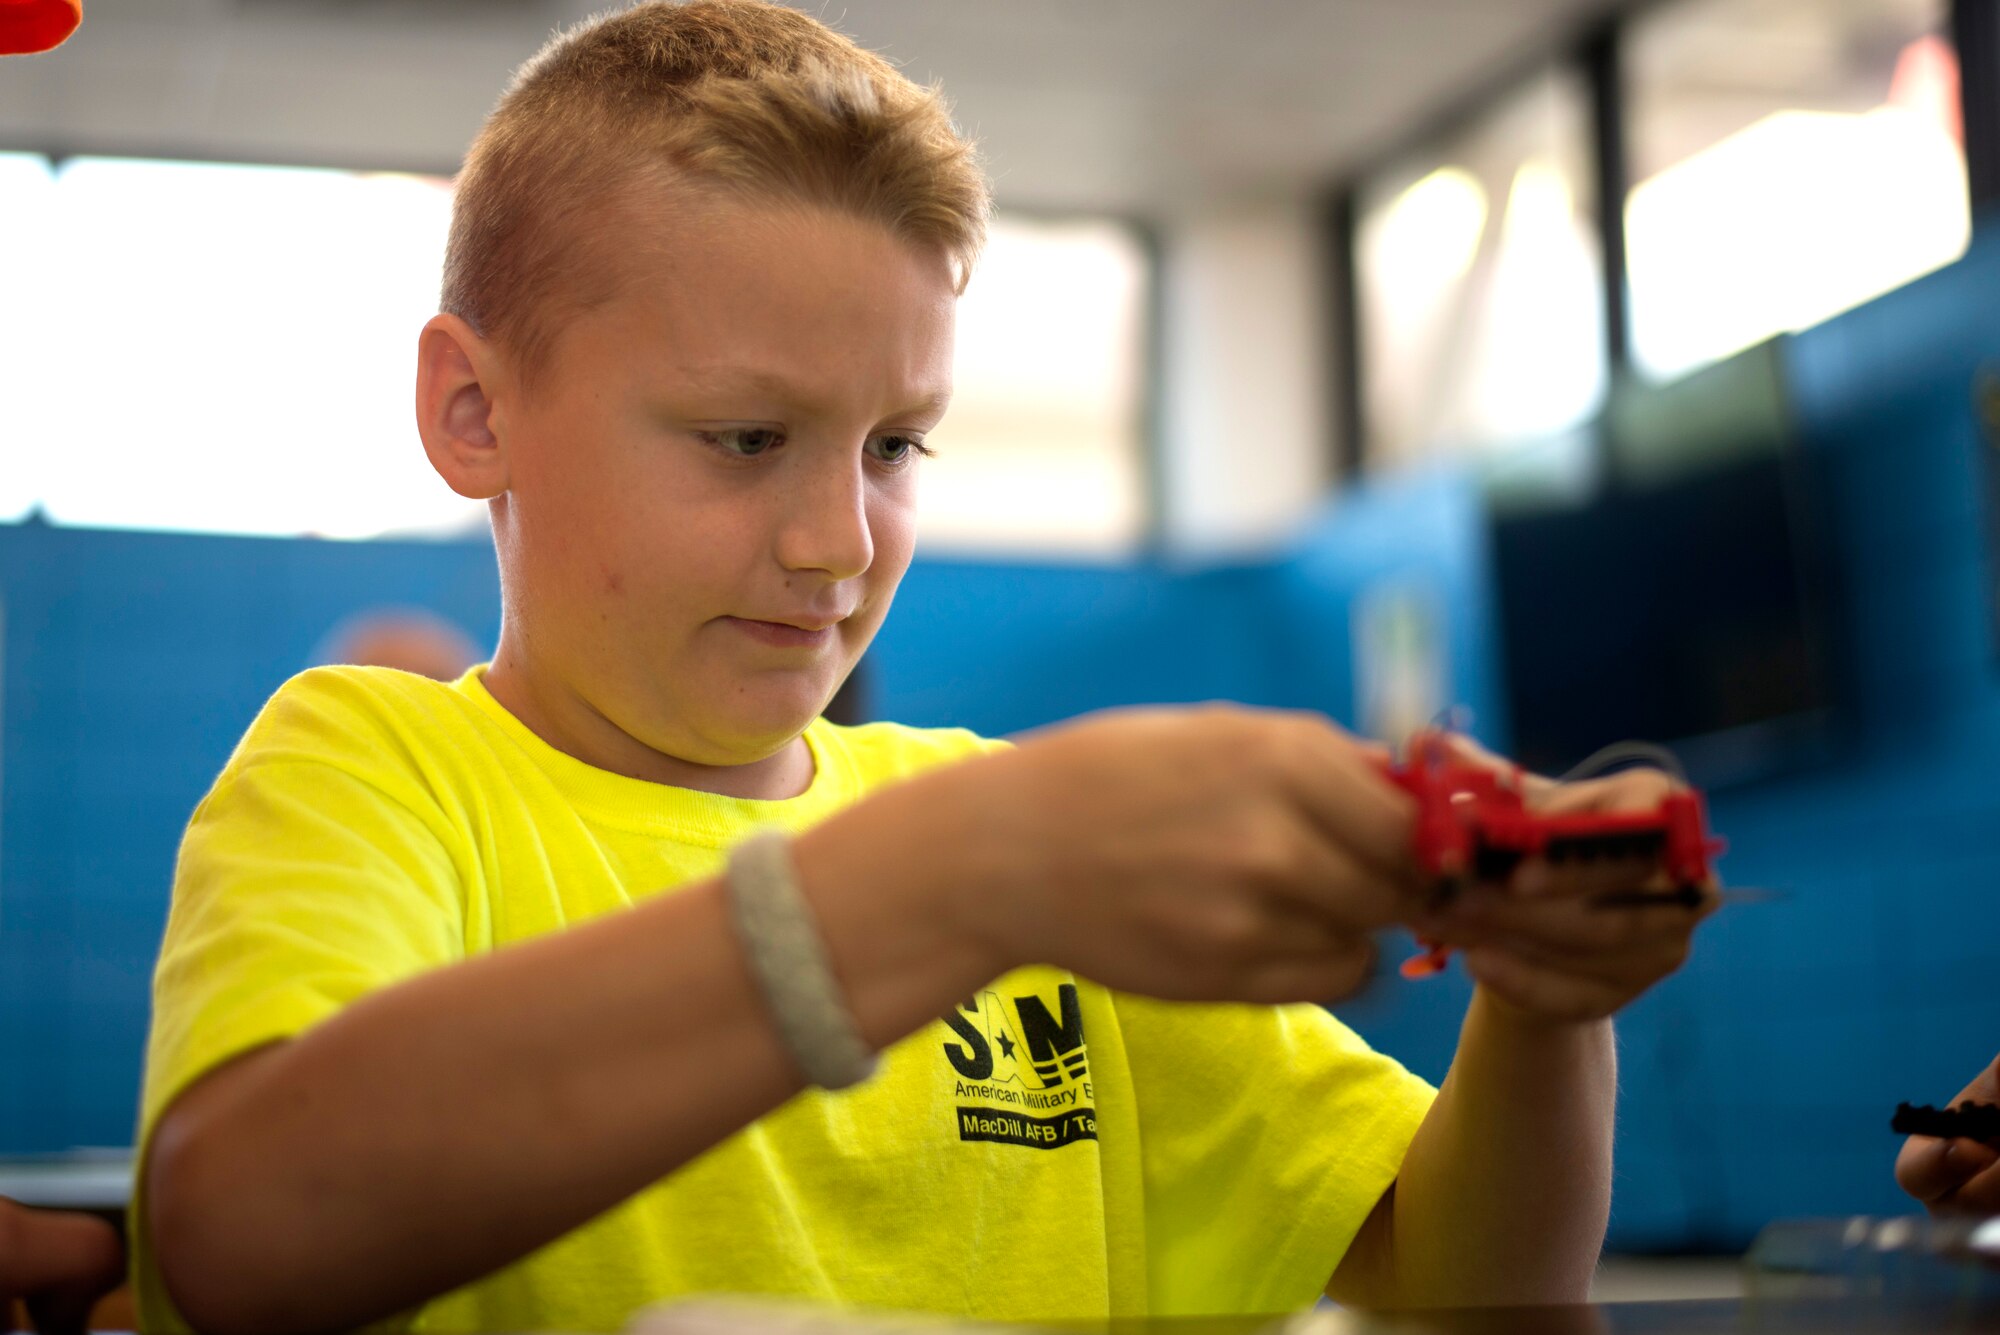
x: 895, y: 449
x: 744, y: 441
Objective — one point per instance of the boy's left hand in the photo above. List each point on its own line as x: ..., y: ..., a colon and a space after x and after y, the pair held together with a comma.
x: 1539, y: 945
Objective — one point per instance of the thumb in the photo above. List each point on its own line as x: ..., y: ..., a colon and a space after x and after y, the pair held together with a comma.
x: 1930, y: 1169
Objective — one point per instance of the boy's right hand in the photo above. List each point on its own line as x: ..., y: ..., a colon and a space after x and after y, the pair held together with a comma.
x: 1218, y: 853
x: 1957, y: 1176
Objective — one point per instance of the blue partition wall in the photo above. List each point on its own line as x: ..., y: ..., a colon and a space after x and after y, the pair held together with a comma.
x: 133, y: 662
x: 1757, y: 1083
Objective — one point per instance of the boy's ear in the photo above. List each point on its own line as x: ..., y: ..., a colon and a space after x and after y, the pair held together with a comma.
x: 456, y: 370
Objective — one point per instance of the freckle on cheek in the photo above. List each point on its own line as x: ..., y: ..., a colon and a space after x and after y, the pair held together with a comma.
x: 614, y: 582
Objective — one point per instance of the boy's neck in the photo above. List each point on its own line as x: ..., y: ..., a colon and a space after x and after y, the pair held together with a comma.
x: 569, y: 723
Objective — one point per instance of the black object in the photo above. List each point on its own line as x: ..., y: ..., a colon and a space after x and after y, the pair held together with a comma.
x: 1975, y: 29
x: 1986, y: 405
x: 1601, y: 58
x: 1972, y: 1121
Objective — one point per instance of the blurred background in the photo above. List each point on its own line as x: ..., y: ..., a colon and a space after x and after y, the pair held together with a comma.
x: 1607, y: 369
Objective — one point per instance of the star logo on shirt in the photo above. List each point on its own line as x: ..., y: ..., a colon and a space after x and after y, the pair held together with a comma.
x: 1017, y: 1040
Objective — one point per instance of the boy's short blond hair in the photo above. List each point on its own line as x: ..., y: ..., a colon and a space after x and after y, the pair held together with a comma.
x: 739, y: 97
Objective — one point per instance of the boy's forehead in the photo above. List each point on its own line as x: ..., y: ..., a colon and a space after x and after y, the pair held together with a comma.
x: 769, y: 300
x: 735, y: 380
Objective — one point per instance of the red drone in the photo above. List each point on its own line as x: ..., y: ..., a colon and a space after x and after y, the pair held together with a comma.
x: 1473, y: 824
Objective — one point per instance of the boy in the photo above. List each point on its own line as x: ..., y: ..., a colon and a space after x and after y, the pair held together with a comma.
x: 461, y: 1021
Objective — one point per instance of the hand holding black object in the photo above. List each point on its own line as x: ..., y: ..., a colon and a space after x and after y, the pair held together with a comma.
x: 1541, y: 943
x: 1959, y: 1175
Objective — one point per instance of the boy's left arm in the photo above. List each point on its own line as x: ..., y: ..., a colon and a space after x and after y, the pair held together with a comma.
x: 1505, y: 1192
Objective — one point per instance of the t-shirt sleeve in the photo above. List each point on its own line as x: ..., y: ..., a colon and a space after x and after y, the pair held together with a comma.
x: 300, y: 889
x: 1267, y: 1135
x: 305, y: 882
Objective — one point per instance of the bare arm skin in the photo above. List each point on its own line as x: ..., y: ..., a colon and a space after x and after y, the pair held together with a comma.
x: 1506, y: 1190
x: 335, y: 1179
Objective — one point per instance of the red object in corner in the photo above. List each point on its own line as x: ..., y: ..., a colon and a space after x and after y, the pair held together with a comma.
x: 1474, y: 824
x: 27, y: 26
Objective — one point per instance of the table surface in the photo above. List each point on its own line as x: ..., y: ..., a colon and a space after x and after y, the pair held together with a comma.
x: 1702, y: 1316
x: 86, y: 1180
x: 1680, y: 1317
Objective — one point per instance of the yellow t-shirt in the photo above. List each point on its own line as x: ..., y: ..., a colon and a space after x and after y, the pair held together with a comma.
x: 1048, y: 1149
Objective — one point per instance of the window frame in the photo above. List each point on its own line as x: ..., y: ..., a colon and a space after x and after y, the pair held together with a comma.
x: 1596, y: 53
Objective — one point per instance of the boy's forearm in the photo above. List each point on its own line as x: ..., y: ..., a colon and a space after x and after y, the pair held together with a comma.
x: 1506, y: 1191
x: 448, y: 1126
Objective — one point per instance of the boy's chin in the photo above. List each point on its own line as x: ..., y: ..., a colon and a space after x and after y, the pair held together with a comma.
x: 762, y: 727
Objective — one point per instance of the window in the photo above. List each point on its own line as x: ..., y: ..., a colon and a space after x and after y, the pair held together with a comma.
x: 226, y: 348
x: 1792, y: 159
x: 230, y: 348
x: 27, y: 190
x: 1042, y: 448
x: 1480, y: 286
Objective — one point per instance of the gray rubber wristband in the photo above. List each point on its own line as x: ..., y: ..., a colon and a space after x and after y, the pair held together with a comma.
x: 788, y: 957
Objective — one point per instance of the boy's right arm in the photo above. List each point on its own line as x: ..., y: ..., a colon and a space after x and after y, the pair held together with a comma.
x: 337, y: 1178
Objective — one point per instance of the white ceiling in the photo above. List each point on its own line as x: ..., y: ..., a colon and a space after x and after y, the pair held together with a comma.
x: 1143, y: 106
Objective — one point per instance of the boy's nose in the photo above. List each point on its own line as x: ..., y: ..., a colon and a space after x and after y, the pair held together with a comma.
x: 826, y: 526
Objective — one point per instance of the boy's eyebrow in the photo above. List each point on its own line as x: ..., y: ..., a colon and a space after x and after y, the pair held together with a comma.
x: 720, y: 381
x: 930, y: 405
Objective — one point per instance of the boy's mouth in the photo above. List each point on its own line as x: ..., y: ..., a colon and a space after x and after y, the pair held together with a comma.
x: 784, y: 635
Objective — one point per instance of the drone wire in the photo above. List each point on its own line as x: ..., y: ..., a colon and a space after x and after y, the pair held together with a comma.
x: 1626, y: 755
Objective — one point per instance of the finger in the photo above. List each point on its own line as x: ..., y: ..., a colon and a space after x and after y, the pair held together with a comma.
x: 1466, y: 751
x: 1325, y: 978
x: 1627, y: 790
x: 1324, y: 880
x: 1346, y: 796
x: 1949, y: 1176
x: 1926, y: 1169
x: 1564, y: 928
x: 1578, y: 875
x: 1540, y: 991
x: 1294, y: 930
x: 1980, y: 1195
x: 1627, y: 972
